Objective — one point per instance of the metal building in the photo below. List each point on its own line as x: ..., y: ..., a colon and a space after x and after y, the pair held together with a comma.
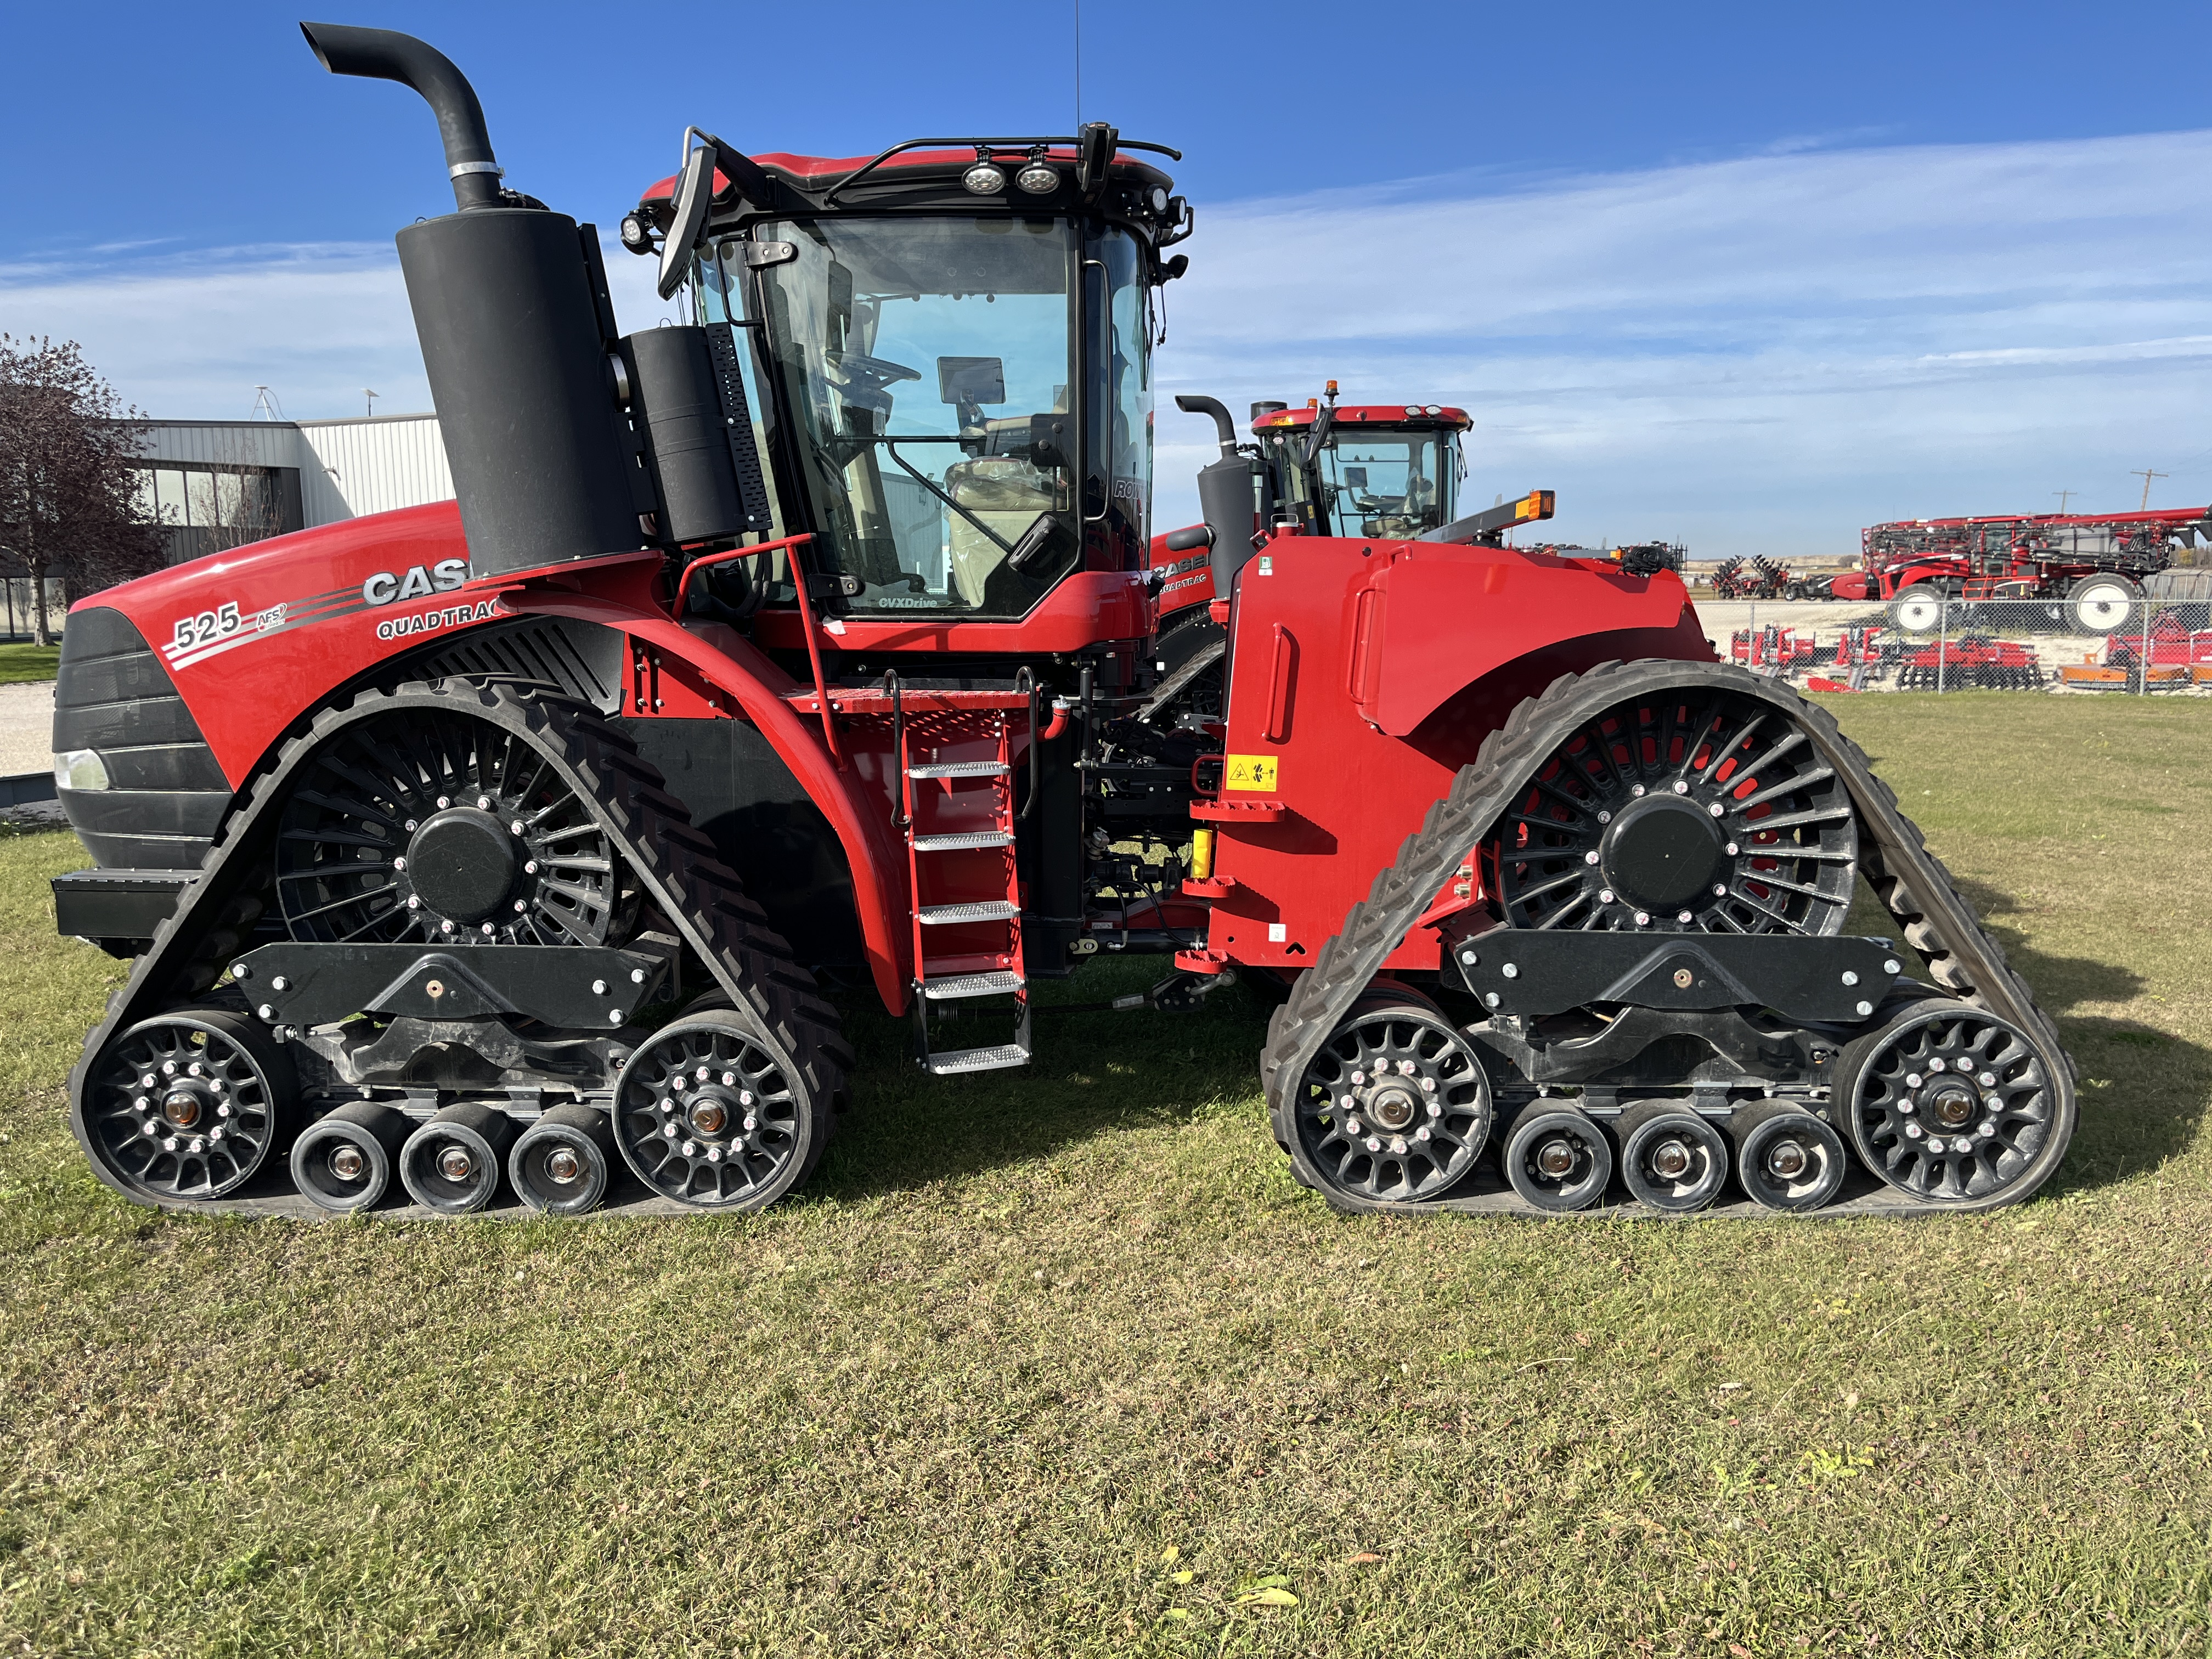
x: 219, y: 484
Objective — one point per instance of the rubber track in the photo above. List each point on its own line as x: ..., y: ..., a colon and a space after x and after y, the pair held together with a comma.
x: 1918, y: 890
x: 755, y: 967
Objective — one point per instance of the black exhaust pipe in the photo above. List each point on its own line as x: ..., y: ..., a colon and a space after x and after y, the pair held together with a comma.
x: 515, y: 340
x: 388, y: 55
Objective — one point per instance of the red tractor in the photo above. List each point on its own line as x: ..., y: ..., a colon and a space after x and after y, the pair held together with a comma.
x: 2082, y: 573
x: 502, y: 843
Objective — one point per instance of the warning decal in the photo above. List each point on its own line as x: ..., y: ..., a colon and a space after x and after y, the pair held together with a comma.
x: 1249, y: 772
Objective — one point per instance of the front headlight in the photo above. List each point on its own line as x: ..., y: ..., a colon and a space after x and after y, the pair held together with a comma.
x: 79, y: 769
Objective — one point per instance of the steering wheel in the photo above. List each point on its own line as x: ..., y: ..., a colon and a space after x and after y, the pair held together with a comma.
x: 865, y: 379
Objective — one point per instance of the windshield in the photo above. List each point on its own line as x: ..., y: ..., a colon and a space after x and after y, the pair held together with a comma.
x: 927, y: 364
x: 1375, y: 483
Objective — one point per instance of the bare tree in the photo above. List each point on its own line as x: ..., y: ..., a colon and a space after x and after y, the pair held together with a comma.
x: 69, y: 497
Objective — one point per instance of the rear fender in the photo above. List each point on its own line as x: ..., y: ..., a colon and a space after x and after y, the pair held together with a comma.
x: 1432, y: 620
x: 855, y: 807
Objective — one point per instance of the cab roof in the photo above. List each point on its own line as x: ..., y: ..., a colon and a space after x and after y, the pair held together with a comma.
x: 1423, y: 415
x: 812, y: 174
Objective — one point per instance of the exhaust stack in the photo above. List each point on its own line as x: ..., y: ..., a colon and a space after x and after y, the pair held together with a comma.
x: 388, y: 55
x: 511, y: 310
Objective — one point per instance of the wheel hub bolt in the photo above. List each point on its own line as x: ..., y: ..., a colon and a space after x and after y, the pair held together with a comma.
x: 1359, y: 1077
x: 215, y: 1135
x: 454, y: 1162
x: 1555, y: 1159
x: 444, y: 802
x: 561, y: 1165
x: 709, y: 1117
x: 1435, y: 1111
x: 413, y: 902
x: 530, y: 866
x: 516, y: 826
x: 1589, y: 858
x: 1428, y: 1085
x: 142, y: 1104
x: 1643, y: 917
x: 169, y: 1068
x: 193, y: 1069
x: 147, y: 1081
x: 1353, y: 1125
x: 399, y: 864
x: 729, y: 1078
x: 1720, y: 890
x: 1786, y: 1159
x: 752, y: 1124
x: 1604, y: 817
x: 1987, y: 1079
x: 1731, y: 849
x: 198, y: 1145
x: 1716, y: 809
x: 347, y: 1163
x: 1398, y: 1144
x: 1637, y: 790
x: 669, y: 1130
x: 1912, y: 1079
x: 1670, y: 1158
x: 1935, y: 1064
x: 1912, y: 1132
x: 1683, y: 916
x: 1374, y: 1145
x: 483, y: 803
x: 1986, y: 1130
x: 1605, y: 894
x: 150, y: 1130
x: 1421, y: 1133
x: 222, y: 1108
x: 690, y: 1148
x: 169, y: 1143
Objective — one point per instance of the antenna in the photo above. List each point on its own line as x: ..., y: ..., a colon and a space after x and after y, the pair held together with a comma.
x: 371, y: 396
x: 266, y: 406
x: 1078, y: 65
x: 2147, y: 474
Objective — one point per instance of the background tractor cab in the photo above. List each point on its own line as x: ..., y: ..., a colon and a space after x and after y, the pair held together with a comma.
x: 948, y: 364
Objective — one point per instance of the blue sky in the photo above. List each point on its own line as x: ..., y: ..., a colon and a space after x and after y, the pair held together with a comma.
x: 1750, y: 277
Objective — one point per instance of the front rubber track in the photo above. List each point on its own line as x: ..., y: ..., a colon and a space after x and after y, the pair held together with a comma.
x: 1909, y: 881
x: 675, y: 862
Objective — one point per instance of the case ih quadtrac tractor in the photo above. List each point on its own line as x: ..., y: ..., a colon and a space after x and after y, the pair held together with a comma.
x: 501, y: 843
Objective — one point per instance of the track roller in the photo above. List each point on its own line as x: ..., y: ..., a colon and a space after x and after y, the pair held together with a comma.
x: 1672, y: 1158
x: 1558, y: 1159
x: 561, y: 1164
x: 186, y: 1106
x: 1949, y: 1103
x: 451, y: 1163
x: 1786, y: 1159
x: 344, y: 1160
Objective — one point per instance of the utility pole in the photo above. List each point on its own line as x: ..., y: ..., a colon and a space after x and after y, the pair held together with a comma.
x: 2063, y: 495
x: 2147, y: 474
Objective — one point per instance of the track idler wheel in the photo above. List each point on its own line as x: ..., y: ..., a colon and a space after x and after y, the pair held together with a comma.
x: 562, y: 1163
x: 1558, y: 1159
x: 1949, y: 1104
x: 707, y: 1115
x: 345, y: 1159
x: 187, y: 1106
x: 1671, y: 1159
x: 1396, y: 1108
x: 451, y: 1163
x: 1786, y: 1159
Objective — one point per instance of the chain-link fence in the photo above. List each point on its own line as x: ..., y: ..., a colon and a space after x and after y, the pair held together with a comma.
x: 18, y: 617
x: 2120, y: 642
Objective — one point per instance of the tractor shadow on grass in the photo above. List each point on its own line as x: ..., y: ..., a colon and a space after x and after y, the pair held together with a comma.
x: 2143, y: 1092
x: 1093, y: 1073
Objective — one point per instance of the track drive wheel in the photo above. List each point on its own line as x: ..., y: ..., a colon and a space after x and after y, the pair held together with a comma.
x: 187, y: 1106
x: 1949, y: 1103
x: 1395, y: 1109
x: 712, y: 1113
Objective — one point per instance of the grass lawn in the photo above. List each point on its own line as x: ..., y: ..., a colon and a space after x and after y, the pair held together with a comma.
x: 19, y: 664
x: 1063, y: 1362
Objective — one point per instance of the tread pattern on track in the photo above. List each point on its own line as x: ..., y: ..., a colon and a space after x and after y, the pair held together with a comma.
x: 1918, y: 890
x: 757, y: 971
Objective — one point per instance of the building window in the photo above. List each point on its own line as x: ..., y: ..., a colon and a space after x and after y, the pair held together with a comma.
x: 213, y: 509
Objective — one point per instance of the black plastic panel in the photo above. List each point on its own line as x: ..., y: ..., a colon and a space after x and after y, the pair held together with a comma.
x: 1532, y: 972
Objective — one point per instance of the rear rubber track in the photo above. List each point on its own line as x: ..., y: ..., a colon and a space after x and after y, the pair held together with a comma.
x: 1911, y: 882
x: 752, y: 964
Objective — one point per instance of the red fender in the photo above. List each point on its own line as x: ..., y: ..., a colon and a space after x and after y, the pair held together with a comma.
x: 734, y: 666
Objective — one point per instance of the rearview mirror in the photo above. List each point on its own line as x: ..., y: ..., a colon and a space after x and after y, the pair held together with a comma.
x: 693, y: 189
x: 971, y: 380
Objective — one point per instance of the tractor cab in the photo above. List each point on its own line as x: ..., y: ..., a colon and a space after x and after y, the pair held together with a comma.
x: 947, y: 359
x: 1350, y: 469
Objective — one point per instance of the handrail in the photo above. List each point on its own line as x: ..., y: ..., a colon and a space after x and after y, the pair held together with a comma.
x: 684, y: 580
x: 814, y: 657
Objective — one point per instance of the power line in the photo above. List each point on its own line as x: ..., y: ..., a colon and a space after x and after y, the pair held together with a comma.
x: 2147, y: 474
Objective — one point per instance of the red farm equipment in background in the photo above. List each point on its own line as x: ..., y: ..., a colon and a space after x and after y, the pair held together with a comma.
x: 500, y: 845
x: 2086, y: 570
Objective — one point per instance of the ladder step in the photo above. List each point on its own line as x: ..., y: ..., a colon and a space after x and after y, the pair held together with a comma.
x: 971, y: 985
x: 959, y: 770
x: 933, y: 915
x: 953, y: 1061
x: 959, y: 843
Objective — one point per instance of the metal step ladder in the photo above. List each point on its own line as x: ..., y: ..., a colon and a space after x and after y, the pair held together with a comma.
x: 958, y: 816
